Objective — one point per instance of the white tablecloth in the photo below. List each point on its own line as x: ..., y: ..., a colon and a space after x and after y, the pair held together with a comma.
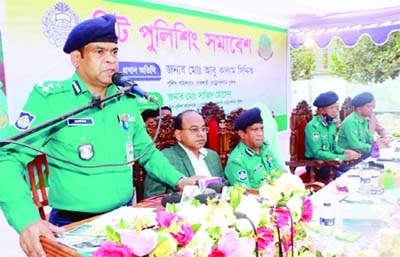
x: 364, y: 214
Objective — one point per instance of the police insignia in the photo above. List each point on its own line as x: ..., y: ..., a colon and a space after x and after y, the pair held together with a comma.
x: 242, y: 175
x: 316, y: 135
x: 24, y: 121
x: 57, y: 22
x: 86, y: 151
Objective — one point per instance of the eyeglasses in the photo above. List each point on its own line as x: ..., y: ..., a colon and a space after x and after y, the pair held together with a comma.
x: 196, y: 130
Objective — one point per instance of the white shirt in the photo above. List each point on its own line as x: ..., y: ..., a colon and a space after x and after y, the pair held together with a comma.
x: 199, y: 164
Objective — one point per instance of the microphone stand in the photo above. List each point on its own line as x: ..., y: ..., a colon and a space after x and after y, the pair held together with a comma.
x: 95, y: 103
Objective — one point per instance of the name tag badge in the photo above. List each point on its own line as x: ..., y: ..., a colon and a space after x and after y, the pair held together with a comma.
x: 80, y: 122
x: 129, y: 153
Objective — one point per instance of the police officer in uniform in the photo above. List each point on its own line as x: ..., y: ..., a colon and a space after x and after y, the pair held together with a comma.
x: 320, y: 135
x: 354, y: 132
x: 251, y: 162
x: 112, y: 133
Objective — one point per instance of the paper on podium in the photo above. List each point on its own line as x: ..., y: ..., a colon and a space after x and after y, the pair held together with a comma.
x: 87, y: 237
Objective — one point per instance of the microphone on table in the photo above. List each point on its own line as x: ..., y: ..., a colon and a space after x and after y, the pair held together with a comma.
x: 177, y: 197
x: 207, y: 194
x: 122, y: 80
x: 241, y: 215
x: 171, y: 198
x: 218, y: 187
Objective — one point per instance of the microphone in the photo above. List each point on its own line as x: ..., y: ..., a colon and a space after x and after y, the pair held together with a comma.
x: 172, y: 198
x: 241, y: 215
x: 207, y: 194
x: 122, y: 80
x: 216, y: 186
x: 177, y: 197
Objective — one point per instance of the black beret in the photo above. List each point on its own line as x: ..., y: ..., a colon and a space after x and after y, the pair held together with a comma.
x: 326, y: 99
x: 362, y: 99
x: 100, y: 29
x: 248, y: 118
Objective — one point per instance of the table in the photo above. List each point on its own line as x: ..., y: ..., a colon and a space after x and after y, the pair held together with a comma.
x: 366, y: 219
x: 55, y: 249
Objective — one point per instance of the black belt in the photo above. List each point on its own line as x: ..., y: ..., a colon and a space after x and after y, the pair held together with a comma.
x: 76, y: 215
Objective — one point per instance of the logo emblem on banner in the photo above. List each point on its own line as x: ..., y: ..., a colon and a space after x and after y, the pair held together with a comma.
x: 58, y: 22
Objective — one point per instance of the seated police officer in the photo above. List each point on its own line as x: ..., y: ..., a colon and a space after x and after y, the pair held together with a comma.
x: 354, y: 132
x: 251, y: 162
x: 320, y: 135
x: 114, y: 133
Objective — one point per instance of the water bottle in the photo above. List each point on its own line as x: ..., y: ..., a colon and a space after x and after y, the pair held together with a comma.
x: 396, y: 153
x: 388, y: 179
x: 365, y: 182
x: 376, y: 186
x: 327, y: 220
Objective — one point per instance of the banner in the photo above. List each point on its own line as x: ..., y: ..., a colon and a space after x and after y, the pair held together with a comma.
x: 184, y: 58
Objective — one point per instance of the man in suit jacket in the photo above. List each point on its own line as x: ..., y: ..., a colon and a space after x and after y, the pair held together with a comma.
x: 189, y: 155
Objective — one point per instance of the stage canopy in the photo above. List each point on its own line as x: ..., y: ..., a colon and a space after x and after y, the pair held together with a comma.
x: 320, y: 20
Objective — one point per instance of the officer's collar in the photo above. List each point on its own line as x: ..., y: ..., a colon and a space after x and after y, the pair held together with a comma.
x: 80, y: 87
x: 250, y: 152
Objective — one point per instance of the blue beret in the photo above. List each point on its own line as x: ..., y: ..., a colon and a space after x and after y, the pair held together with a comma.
x: 248, y: 118
x: 100, y: 29
x: 362, y: 99
x: 326, y: 99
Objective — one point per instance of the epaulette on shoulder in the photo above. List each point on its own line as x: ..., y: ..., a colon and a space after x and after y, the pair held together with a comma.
x: 49, y: 87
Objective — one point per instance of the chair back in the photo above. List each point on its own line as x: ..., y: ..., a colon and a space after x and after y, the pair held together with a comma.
x: 213, y: 114
x: 299, y: 118
x: 228, y: 137
x: 165, y: 138
x: 38, y: 171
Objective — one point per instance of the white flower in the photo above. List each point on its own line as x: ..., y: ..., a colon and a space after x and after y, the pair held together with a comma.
x: 201, y: 243
x: 288, y: 183
x: 269, y: 192
x: 250, y: 206
x: 295, y: 204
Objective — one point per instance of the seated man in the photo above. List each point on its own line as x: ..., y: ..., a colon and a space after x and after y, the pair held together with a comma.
x: 355, y: 133
x: 189, y: 155
x: 379, y: 130
x: 149, y: 116
x: 166, y: 110
x: 320, y: 135
x: 251, y: 162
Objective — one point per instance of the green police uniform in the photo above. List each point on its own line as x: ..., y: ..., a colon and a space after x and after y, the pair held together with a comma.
x: 99, y: 135
x: 320, y: 140
x: 249, y: 169
x: 354, y: 134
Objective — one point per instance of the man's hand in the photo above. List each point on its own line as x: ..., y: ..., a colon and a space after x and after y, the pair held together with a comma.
x: 351, y: 155
x: 29, y: 237
x: 188, y: 181
x: 384, y: 142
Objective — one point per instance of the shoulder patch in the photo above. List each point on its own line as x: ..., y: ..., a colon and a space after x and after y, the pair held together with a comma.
x: 24, y: 121
x: 242, y: 174
x: 49, y: 87
x: 316, y: 135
